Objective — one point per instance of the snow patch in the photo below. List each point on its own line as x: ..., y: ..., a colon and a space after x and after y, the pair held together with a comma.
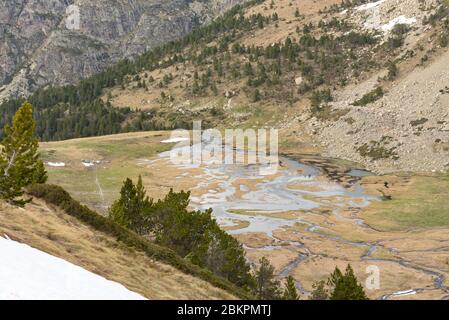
x: 29, y: 274
x: 90, y: 163
x: 56, y: 164
x: 370, y: 5
x: 175, y: 140
x: 404, y: 293
x: 399, y: 20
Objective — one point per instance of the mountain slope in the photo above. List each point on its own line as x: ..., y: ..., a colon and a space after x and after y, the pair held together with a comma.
x: 53, y: 231
x: 334, y: 76
x: 38, y: 49
x: 27, y: 274
x: 364, y: 81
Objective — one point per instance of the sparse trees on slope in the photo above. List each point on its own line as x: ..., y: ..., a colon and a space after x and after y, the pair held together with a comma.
x: 20, y: 165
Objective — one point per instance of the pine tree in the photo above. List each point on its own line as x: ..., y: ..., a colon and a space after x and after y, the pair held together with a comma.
x: 290, y: 292
x: 40, y: 174
x: 346, y: 286
x: 266, y: 284
x: 19, y: 159
x: 130, y: 210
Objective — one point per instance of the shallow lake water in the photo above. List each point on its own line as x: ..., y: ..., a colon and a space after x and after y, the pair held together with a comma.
x: 256, y: 197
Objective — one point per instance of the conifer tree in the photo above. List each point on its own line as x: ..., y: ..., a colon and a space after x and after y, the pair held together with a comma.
x: 20, y: 165
x: 346, y: 286
x: 290, y: 292
x: 266, y: 284
x: 131, y: 209
x: 339, y: 286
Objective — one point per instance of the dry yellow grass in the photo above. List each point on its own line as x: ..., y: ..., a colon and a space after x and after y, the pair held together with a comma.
x: 393, y: 277
x: 287, y: 23
x: 52, y: 231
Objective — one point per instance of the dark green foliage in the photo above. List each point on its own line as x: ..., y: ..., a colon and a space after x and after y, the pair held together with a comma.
x: 339, y: 286
x: 225, y: 256
x: 297, y: 15
x: 59, y: 197
x: 127, y: 211
x: 20, y: 165
x: 395, y: 41
x: 419, y: 122
x: 443, y: 40
x: 173, y: 225
x: 400, y: 29
x: 370, y: 97
x: 360, y: 39
x: 346, y: 286
x: 320, y: 96
x: 441, y: 14
x: 256, y: 95
x: 194, y: 235
x: 290, y: 292
x: 267, y: 286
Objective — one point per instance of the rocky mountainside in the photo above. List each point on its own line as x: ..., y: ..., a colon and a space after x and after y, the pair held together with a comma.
x: 360, y: 80
x: 365, y: 81
x: 42, y: 44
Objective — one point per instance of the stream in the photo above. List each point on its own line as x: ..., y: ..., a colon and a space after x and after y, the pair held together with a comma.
x: 245, y: 200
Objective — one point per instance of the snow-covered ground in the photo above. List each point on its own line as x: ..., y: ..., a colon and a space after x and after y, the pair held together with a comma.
x: 29, y: 274
x: 175, y: 140
x: 370, y: 5
x: 399, y: 20
x: 56, y: 164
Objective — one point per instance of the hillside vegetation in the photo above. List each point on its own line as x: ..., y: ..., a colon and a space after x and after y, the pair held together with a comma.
x: 50, y: 229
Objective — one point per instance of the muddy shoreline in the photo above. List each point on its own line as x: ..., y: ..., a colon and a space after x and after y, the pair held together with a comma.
x: 336, y: 170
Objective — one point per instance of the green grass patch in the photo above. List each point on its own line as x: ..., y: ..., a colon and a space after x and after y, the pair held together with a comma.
x: 423, y: 205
